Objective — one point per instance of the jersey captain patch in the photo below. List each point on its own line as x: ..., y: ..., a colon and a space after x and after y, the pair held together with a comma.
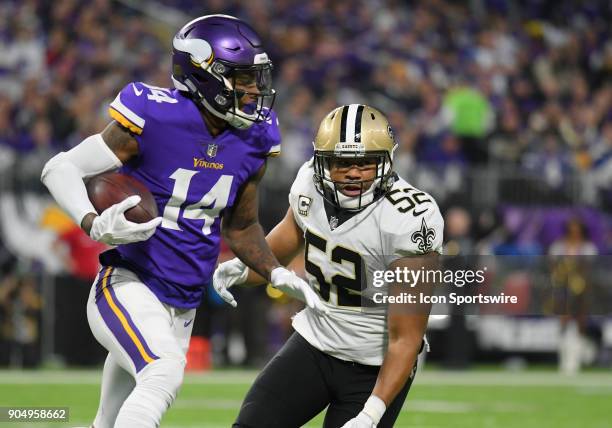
x: 304, y: 205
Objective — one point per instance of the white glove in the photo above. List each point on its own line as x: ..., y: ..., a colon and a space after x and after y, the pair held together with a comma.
x: 360, y: 421
x: 370, y: 416
x: 112, y: 228
x: 228, y: 274
x: 291, y: 284
x: 234, y: 272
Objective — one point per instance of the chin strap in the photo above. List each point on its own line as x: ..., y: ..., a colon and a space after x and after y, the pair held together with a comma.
x: 233, y: 119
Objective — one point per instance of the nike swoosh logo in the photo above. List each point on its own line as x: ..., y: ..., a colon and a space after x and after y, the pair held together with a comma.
x: 418, y: 213
x: 187, y: 323
x: 136, y: 91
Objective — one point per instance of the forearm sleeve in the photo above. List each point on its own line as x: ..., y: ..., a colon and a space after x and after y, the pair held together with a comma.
x: 63, y: 174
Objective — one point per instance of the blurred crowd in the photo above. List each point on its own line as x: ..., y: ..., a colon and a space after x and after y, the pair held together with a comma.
x: 489, y: 100
x: 480, y: 82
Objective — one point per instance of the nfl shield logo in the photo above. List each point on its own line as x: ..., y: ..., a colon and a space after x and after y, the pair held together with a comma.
x: 212, y: 150
x: 333, y: 222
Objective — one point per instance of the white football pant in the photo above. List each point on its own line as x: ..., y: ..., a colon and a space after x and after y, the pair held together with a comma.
x: 146, y: 340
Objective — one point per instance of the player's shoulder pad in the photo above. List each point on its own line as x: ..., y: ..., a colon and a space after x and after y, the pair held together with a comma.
x: 268, y: 135
x: 129, y: 107
x: 411, y: 219
x: 303, y: 183
x: 137, y: 102
x: 303, y: 192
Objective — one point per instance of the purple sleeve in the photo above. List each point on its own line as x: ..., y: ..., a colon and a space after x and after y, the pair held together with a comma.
x: 128, y: 108
x: 271, y: 138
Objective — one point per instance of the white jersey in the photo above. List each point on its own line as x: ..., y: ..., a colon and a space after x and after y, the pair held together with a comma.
x: 405, y: 222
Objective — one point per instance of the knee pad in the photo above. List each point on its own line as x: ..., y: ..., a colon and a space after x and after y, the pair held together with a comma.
x: 164, y: 376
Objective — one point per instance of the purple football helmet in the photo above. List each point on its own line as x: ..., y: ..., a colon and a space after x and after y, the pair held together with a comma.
x: 214, y: 54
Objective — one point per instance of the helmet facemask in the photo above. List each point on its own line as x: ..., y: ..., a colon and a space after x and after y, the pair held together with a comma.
x: 252, y: 84
x: 248, y: 96
x: 354, y: 136
x: 367, y: 191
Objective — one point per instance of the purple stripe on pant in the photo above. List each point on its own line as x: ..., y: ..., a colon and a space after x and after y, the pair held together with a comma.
x: 113, y: 321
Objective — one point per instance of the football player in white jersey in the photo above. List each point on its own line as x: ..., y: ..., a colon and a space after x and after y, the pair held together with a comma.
x: 353, y: 216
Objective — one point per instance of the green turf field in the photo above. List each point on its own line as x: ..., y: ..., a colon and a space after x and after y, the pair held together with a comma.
x: 478, y: 399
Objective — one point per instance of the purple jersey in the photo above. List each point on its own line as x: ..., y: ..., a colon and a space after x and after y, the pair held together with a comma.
x: 193, y: 177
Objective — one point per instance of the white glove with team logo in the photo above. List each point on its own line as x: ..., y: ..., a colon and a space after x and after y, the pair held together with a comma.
x: 112, y: 228
x: 370, y: 416
x: 289, y: 283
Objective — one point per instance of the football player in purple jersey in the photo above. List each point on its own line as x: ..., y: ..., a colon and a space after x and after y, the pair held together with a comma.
x: 201, y: 150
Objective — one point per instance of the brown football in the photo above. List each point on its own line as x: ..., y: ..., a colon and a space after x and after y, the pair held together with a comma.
x: 110, y: 188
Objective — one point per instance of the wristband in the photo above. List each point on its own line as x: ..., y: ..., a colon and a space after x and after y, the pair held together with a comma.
x: 374, y: 408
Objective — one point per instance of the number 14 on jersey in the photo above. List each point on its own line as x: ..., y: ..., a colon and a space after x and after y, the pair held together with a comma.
x: 207, y: 208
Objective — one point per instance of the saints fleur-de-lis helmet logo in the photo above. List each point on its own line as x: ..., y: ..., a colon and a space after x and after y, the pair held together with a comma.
x: 424, y: 237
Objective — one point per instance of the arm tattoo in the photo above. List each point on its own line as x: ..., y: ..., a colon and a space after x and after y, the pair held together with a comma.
x: 120, y: 140
x: 245, y: 235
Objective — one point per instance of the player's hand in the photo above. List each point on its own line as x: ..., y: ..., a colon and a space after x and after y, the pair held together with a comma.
x: 360, y: 421
x: 228, y: 274
x: 112, y: 228
x: 291, y: 284
x: 370, y: 416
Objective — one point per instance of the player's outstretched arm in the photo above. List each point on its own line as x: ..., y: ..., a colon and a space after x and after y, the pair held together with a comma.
x: 406, y: 328
x: 245, y: 236
x: 63, y: 175
x: 285, y: 240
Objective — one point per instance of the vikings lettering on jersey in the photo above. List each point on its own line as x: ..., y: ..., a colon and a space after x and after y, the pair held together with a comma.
x: 193, y: 177
x: 340, y: 258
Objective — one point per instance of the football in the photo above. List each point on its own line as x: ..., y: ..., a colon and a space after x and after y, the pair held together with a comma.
x: 107, y: 189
